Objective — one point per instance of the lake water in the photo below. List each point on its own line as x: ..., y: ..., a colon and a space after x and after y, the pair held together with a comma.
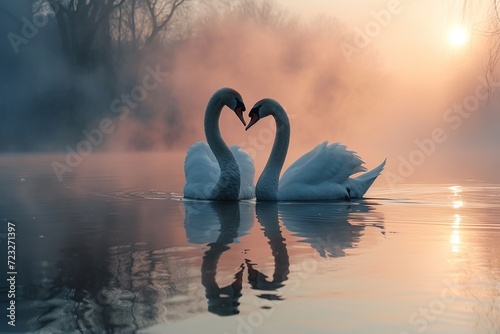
x: 113, y: 248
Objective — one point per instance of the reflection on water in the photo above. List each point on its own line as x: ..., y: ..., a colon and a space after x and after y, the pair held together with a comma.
x: 330, y: 227
x: 98, y: 286
x: 325, y: 226
x: 455, y: 234
x: 200, y: 223
x: 200, y: 226
x: 207, y: 222
x: 113, y: 250
x: 267, y: 216
x: 457, y: 204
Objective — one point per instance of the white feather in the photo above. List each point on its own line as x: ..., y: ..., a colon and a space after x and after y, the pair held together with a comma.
x: 324, y: 173
x: 214, y: 171
x: 202, y: 172
x: 247, y: 172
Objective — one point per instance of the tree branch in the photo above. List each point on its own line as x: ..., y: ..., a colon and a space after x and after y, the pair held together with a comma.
x: 152, y: 13
x: 175, y: 5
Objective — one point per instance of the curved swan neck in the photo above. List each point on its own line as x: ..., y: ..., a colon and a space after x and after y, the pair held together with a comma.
x: 229, y: 176
x: 267, y: 185
x: 212, y: 130
x: 267, y: 215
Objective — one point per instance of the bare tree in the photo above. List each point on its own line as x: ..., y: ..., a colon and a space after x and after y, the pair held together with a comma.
x: 266, y: 13
x: 89, y: 29
x: 493, y: 30
x: 487, y: 26
x: 84, y: 30
x: 139, y: 24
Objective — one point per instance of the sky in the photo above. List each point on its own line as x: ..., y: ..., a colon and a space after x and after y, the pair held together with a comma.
x: 384, y: 77
x: 430, y: 73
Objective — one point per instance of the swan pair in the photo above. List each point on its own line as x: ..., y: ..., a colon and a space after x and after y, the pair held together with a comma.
x: 215, y: 171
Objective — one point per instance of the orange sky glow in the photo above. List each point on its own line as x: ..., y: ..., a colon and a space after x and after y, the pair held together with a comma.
x: 390, y: 79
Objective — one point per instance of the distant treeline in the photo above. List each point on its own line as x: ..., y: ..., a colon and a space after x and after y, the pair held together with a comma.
x: 67, y: 65
x: 64, y: 61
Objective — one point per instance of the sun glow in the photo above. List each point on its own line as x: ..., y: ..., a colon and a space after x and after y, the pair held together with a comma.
x: 458, y: 36
x: 456, y: 190
x: 456, y: 198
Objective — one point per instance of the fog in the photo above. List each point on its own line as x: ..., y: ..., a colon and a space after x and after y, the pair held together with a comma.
x: 381, y: 77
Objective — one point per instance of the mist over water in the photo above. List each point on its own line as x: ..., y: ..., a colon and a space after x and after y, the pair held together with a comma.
x: 386, y: 96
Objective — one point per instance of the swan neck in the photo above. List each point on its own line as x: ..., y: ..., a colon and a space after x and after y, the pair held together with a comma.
x: 229, y: 176
x: 267, y: 185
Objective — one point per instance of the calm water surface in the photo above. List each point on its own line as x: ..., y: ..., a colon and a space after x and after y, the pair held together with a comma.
x: 113, y: 248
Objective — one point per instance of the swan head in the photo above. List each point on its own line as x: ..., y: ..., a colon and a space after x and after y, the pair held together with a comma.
x: 234, y: 101
x: 261, y: 109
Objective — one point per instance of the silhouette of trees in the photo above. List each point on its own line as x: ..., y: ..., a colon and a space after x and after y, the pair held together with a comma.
x: 487, y: 25
x: 89, y: 53
x: 494, y: 32
x: 78, y: 57
x: 139, y: 24
x: 94, y: 33
x: 84, y: 30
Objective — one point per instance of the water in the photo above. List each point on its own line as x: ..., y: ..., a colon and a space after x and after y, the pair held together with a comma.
x: 114, y: 248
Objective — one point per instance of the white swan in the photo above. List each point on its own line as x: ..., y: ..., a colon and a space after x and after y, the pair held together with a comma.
x: 324, y: 173
x: 214, y: 171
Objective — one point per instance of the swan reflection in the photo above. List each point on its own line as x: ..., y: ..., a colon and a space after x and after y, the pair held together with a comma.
x: 267, y: 216
x: 213, y: 221
x: 329, y: 227
x: 218, y: 224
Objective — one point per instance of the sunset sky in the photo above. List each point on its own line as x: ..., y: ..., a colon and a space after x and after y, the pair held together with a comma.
x: 432, y: 58
x: 410, y: 27
x: 403, y: 80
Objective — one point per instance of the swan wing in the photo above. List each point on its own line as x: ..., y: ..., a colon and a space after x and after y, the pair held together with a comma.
x: 320, y: 174
x: 300, y: 162
x: 359, y: 185
x: 247, y: 172
x: 201, y: 170
x: 325, y: 163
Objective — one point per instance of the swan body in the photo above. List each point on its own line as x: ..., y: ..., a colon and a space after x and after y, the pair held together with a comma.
x: 214, y: 171
x: 203, y: 171
x: 324, y: 173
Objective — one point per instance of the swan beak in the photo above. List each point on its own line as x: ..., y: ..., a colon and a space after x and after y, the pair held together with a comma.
x: 239, y: 112
x: 253, y: 120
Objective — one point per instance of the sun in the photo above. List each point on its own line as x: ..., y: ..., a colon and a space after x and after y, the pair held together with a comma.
x: 458, y: 36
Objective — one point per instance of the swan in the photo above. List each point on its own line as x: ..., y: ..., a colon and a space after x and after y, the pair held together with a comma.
x: 213, y: 170
x: 324, y: 173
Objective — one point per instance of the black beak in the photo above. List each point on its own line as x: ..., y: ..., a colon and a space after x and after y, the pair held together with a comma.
x: 239, y: 109
x: 239, y: 113
x: 254, y: 118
